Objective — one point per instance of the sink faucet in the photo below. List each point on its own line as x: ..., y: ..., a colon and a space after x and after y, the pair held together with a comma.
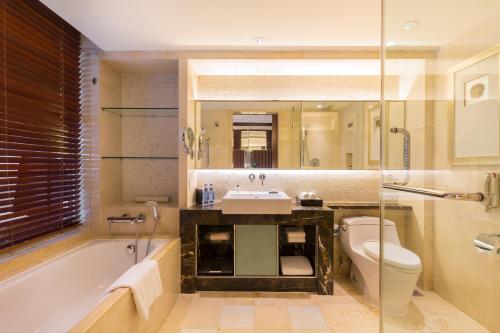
x: 262, y: 177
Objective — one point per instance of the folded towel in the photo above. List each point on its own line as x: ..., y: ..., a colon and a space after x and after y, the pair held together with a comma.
x: 295, y: 265
x: 144, y: 281
x: 295, y: 232
x: 296, y: 239
x: 218, y: 236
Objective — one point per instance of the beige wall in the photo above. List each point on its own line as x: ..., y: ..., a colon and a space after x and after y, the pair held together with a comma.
x: 293, y: 88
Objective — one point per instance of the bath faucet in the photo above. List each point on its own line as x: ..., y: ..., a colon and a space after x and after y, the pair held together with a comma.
x: 141, y: 218
x: 406, y: 154
x: 262, y: 177
x: 251, y: 177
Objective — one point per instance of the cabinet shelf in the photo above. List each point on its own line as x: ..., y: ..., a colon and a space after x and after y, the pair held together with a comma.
x: 142, y: 112
x: 139, y: 157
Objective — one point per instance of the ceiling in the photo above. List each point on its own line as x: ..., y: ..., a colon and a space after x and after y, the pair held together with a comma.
x: 285, y: 24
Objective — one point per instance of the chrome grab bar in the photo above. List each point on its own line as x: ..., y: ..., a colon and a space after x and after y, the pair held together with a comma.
x: 475, y: 196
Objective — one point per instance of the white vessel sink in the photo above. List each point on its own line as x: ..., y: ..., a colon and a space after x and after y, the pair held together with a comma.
x: 256, y: 202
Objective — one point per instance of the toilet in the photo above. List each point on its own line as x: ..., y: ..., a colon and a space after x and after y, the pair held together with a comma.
x: 359, y: 237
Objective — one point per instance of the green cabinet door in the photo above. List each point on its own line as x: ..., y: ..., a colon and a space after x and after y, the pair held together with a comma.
x: 256, y: 252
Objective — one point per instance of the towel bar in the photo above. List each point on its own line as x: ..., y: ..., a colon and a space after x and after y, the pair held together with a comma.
x: 475, y: 196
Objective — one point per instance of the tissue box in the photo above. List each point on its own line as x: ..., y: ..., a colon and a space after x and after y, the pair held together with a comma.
x: 314, y: 202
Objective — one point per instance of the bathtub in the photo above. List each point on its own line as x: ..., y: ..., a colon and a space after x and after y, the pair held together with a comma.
x: 57, y: 294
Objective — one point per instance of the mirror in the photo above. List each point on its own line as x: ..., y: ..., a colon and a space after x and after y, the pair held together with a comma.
x: 188, y: 141
x: 340, y: 135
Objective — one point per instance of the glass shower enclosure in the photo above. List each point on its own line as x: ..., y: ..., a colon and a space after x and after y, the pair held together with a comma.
x: 440, y: 157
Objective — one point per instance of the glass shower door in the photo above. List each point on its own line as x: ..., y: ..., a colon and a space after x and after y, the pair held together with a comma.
x: 440, y: 167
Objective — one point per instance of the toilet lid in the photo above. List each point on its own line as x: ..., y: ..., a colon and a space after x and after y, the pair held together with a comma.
x: 394, y: 255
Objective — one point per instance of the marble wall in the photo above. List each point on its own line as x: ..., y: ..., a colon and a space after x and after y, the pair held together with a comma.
x: 331, y: 185
x: 149, y: 136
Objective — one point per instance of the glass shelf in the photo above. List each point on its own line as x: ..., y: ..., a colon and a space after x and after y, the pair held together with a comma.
x: 143, y: 112
x: 140, y: 157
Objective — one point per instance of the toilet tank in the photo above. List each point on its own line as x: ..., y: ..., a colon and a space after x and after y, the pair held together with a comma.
x: 357, y: 230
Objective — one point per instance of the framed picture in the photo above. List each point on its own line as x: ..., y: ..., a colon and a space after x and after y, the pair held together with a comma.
x: 475, y: 115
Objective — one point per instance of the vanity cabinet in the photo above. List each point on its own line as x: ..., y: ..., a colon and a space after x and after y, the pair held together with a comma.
x: 243, y: 252
x: 256, y: 250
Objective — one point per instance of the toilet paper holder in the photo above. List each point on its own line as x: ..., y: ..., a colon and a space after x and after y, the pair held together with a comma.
x: 488, y: 242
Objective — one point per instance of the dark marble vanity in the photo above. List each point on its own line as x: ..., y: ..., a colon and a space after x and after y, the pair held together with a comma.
x: 249, y: 259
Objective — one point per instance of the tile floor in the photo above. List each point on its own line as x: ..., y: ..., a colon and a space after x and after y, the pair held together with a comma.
x: 346, y: 312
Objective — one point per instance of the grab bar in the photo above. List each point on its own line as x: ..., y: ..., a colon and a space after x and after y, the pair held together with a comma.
x: 475, y: 196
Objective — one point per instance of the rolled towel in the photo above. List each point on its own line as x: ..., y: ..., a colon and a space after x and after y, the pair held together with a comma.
x: 144, y: 281
x: 219, y: 236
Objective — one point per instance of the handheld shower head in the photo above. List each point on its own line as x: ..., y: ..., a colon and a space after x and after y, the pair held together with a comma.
x: 154, y: 206
x: 397, y: 130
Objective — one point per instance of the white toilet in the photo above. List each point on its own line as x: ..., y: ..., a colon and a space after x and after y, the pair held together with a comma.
x: 359, y: 237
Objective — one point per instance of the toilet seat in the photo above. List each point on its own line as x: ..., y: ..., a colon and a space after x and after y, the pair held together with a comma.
x: 394, y: 256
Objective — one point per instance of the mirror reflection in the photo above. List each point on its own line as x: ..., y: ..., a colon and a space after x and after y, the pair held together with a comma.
x: 340, y: 135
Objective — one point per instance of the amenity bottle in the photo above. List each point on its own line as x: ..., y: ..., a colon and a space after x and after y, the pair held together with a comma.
x: 205, y: 195
x: 211, y: 195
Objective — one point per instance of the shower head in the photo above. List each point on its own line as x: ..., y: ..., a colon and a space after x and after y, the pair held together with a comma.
x: 154, y: 206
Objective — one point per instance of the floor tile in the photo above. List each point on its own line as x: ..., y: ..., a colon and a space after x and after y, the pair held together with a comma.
x: 203, y: 313
x: 271, y: 314
x: 237, y: 316
x: 347, y: 312
x: 306, y: 318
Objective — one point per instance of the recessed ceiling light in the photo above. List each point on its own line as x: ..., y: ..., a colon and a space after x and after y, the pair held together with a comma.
x: 259, y: 40
x: 390, y: 43
x: 410, y: 25
x: 320, y: 106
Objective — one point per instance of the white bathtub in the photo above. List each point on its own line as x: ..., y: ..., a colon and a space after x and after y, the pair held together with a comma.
x: 54, y: 296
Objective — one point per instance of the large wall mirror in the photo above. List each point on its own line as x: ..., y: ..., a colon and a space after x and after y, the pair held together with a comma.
x: 295, y: 135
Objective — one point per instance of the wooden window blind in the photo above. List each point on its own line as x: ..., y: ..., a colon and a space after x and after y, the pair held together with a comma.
x: 40, y: 127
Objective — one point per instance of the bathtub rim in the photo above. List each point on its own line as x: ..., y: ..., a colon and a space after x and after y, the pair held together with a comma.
x: 66, y: 251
